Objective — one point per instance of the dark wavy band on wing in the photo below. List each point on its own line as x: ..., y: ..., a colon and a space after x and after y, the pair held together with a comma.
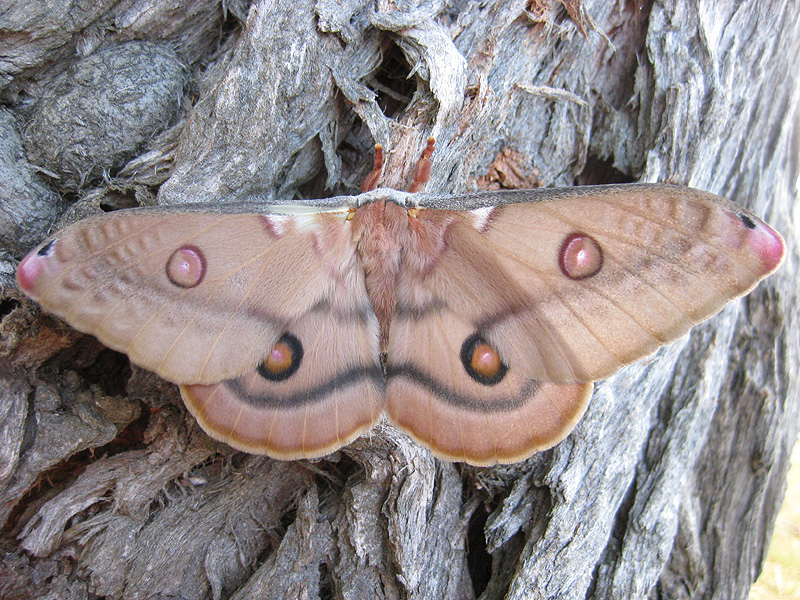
x: 473, y: 403
x: 355, y: 375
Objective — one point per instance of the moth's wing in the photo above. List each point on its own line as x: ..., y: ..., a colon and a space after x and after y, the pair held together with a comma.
x: 564, y: 291
x: 203, y: 298
x: 441, y: 388
x: 196, y: 297
x: 571, y: 288
x: 335, y: 394
x: 431, y: 396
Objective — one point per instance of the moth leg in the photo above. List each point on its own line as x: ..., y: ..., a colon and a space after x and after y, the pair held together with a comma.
x: 422, y: 173
x: 371, y: 180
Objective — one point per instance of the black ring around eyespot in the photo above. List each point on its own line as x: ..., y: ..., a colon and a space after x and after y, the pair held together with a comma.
x: 467, y: 350
x: 296, y: 348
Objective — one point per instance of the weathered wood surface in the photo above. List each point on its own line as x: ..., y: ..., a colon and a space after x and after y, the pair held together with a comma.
x: 669, y: 486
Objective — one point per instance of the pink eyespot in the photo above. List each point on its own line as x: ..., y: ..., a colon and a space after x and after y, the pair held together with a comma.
x: 186, y: 267
x: 580, y: 256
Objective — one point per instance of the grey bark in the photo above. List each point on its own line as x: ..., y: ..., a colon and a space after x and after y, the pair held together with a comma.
x: 669, y: 486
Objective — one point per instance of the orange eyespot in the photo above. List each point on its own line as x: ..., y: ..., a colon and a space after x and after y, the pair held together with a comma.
x: 283, y: 359
x: 481, y: 361
x: 485, y: 361
x: 279, y: 358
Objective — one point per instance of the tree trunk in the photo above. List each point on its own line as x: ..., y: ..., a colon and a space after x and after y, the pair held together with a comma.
x: 668, y: 488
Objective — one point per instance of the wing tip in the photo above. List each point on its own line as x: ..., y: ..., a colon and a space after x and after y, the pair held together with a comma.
x: 769, y: 246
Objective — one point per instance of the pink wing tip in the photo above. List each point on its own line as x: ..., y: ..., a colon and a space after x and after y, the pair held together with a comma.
x: 29, y: 271
x: 33, y: 266
x: 769, y: 245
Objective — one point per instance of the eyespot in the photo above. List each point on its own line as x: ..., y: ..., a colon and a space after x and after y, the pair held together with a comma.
x: 481, y: 361
x: 283, y: 360
x: 186, y: 268
x: 580, y: 256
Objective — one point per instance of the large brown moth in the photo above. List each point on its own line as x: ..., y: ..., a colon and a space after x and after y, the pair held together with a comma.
x: 476, y: 322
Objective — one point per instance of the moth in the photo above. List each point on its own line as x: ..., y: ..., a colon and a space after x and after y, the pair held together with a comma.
x: 476, y: 322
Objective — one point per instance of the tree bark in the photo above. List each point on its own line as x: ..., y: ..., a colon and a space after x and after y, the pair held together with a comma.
x: 669, y: 486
